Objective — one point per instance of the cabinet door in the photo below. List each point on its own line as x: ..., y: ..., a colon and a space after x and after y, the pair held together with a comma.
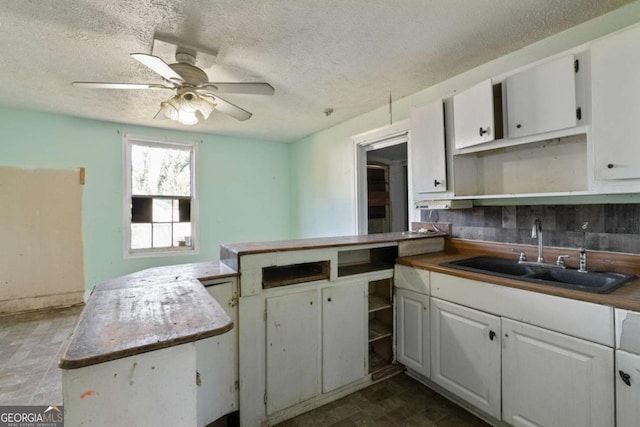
x: 550, y: 379
x: 344, y: 334
x: 293, y: 349
x: 466, y: 354
x: 412, y: 331
x: 217, y: 394
x: 627, y: 389
x: 473, y: 119
x: 542, y: 98
x: 426, y: 149
x: 615, y: 92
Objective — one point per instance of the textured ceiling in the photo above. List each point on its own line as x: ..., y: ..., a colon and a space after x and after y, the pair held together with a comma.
x: 341, y: 54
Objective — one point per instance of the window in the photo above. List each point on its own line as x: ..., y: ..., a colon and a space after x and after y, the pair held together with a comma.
x: 160, y: 203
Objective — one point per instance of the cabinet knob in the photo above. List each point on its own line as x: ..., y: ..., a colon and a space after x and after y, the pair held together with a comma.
x: 329, y: 299
x: 484, y: 131
x: 436, y: 183
x: 610, y: 166
x: 518, y: 125
x: 626, y: 378
x: 492, y: 335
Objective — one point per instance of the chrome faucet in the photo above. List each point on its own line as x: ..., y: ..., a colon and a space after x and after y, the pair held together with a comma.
x: 583, y: 249
x: 536, y: 232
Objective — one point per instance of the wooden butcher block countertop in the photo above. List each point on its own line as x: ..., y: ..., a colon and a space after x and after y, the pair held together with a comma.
x: 145, y: 311
x: 626, y: 297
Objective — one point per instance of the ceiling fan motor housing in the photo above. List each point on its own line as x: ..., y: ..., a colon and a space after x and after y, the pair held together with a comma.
x: 191, y: 74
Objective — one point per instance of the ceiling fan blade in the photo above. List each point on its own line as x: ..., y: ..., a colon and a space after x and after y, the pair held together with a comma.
x: 226, y: 107
x: 159, y: 66
x: 103, y: 85
x: 243, y: 88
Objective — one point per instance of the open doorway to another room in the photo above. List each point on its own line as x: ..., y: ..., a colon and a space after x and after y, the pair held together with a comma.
x: 387, y: 192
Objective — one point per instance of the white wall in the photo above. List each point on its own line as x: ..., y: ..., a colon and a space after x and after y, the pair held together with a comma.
x: 322, y: 165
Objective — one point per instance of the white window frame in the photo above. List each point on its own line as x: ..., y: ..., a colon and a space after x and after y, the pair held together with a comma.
x: 128, y: 141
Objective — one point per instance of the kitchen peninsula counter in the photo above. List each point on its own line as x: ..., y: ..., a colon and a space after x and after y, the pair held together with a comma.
x: 145, y: 311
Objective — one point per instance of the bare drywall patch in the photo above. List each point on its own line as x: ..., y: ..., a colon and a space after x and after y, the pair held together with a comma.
x: 40, y: 230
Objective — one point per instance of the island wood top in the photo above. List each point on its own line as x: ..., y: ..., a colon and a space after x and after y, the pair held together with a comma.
x: 625, y: 297
x: 145, y: 311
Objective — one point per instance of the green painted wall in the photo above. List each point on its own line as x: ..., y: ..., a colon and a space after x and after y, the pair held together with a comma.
x: 322, y: 164
x: 243, y: 184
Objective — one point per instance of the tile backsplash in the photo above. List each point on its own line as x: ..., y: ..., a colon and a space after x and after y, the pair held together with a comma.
x: 612, y: 227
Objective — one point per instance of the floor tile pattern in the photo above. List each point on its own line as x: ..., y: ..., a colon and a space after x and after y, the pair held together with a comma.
x: 30, y: 346
x: 398, y: 401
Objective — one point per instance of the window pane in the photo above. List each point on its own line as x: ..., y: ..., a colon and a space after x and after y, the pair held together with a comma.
x: 141, y: 209
x: 185, y: 210
x: 162, y: 210
x: 182, y: 232
x: 140, y: 236
x: 162, y: 235
x: 160, y: 171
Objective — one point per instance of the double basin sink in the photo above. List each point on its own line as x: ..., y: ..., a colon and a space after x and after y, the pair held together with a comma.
x: 592, y: 281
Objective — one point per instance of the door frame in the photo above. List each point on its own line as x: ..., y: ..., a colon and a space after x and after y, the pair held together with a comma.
x: 385, y: 136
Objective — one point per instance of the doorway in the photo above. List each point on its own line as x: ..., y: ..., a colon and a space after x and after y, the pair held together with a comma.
x: 387, y: 189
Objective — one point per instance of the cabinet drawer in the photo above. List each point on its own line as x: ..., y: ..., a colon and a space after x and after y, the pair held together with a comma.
x: 628, y: 331
x: 412, y: 279
x: 592, y: 322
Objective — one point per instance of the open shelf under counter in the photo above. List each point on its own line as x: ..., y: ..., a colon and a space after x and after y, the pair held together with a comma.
x: 362, y: 261
x: 379, y: 329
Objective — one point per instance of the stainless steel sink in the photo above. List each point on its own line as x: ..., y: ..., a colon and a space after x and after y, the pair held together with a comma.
x: 593, y: 281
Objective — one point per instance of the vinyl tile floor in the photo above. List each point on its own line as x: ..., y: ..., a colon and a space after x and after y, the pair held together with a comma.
x: 32, y: 343
x: 397, y: 401
x: 30, y: 346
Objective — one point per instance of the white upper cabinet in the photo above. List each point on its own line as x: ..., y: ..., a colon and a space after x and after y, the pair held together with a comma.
x: 542, y: 98
x: 615, y: 92
x: 473, y: 116
x: 427, y: 149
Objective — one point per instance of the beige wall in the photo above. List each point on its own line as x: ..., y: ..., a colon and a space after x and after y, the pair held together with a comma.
x: 41, y: 263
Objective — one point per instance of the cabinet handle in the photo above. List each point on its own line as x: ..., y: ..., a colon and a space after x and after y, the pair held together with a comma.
x: 436, y: 182
x: 610, y: 166
x: 492, y: 335
x: 625, y: 377
x: 484, y: 131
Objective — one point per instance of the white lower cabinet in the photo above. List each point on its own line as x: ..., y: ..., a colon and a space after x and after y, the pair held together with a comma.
x: 627, y: 389
x: 465, y: 358
x: 293, y: 349
x: 217, y: 388
x: 412, y: 331
x: 316, y: 342
x: 551, y: 379
x: 343, y: 334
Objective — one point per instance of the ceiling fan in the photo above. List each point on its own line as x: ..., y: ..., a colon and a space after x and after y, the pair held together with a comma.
x: 196, y: 97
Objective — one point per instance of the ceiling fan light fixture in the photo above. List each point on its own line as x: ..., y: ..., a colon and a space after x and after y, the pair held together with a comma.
x: 184, y: 106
